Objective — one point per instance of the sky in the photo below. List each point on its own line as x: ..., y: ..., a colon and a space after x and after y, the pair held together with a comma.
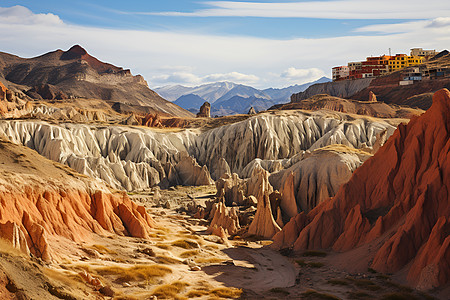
x: 262, y: 43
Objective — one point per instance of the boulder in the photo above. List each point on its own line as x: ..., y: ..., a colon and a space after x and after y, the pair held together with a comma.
x: 205, y: 110
x: 372, y: 97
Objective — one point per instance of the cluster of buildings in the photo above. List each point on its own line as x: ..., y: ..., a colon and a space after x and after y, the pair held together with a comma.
x: 380, y: 65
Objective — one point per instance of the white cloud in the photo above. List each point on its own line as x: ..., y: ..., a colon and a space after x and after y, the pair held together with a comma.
x: 440, y: 22
x: 189, y: 58
x: 337, y: 9
x: 303, y: 75
x: 22, y: 15
x: 191, y: 79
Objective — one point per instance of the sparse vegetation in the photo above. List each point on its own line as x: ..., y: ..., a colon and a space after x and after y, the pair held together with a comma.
x: 312, y: 295
x: 232, y: 293
x: 359, y: 295
x: 399, y: 296
x: 209, y: 260
x: 338, y: 282
x: 301, y: 262
x: 168, y: 260
x: 279, y: 291
x: 197, y: 293
x: 316, y: 264
x: 185, y: 244
x: 163, y: 246
x: 170, y: 291
x: 189, y: 253
x: 135, y: 273
x: 366, y: 284
x: 313, y: 253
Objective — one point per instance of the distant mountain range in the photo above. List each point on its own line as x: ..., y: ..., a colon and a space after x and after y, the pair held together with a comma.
x: 230, y: 98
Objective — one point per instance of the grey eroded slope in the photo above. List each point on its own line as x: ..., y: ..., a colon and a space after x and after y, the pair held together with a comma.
x: 135, y: 158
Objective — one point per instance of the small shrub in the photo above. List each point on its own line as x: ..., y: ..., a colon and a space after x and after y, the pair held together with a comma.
x: 316, y: 264
x: 301, y: 262
x: 399, y: 296
x: 338, y: 282
x: 311, y: 294
x: 359, y: 295
x: 168, y: 260
x: 313, y: 253
x: 189, y: 253
x: 227, y: 292
x: 135, y: 273
x: 197, y: 293
x: 366, y: 284
x: 209, y: 260
x: 163, y: 246
x: 279, y: 291
x: 185, y: 244
x: 169, y: 291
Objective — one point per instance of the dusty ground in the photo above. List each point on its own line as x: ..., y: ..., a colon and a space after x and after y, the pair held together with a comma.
x: 181, y: 261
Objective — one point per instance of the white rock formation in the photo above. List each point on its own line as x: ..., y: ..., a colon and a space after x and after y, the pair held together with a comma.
x: 137, y: 158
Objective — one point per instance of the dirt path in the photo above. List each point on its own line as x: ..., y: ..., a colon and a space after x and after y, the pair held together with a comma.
x: 254, y: 269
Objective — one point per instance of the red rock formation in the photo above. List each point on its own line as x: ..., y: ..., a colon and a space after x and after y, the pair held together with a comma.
x: 403, y: 211
x: 72, y: 214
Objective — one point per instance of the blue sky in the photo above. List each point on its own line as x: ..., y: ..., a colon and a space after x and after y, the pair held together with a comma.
x: 261, y: 43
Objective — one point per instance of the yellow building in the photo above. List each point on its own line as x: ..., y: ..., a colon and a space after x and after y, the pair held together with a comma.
x: 400, y: 61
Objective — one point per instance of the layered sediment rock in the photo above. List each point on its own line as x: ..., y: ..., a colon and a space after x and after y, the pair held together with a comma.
x: 40, y: 200
x: 401, y: 212
x: 138, y: 158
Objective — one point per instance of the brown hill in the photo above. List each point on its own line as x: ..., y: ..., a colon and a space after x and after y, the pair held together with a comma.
x: 74, y: 73
x: 395, y: 210
x: 374, y: 109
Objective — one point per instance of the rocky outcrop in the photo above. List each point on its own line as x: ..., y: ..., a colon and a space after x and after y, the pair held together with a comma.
x: 251, y: 111
x: 136, y: 158
x: 46, y: 91
x: 316, y: 177
x: 74, y: 73
x: 224, y: 217
x: 264, y: 224
x: 43, y: 202
x: 342, y: 89
x: 372, y: 97
x: 205, y: 111
x: 401, y: 213
x: 189, y: 172
x: 220, y: 169
x: 369, y: 108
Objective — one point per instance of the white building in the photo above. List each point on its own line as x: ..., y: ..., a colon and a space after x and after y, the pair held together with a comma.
x: 421, y: 52
x: 340, y: 72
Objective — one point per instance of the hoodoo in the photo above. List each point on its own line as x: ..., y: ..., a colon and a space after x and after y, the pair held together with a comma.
x: 402, y: 212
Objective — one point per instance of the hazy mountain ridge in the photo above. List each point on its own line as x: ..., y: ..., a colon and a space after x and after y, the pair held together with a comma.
x: 221, y: 92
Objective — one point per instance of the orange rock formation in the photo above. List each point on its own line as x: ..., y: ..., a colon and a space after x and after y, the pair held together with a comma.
x: 403, y: 212
x: 42, y: 202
